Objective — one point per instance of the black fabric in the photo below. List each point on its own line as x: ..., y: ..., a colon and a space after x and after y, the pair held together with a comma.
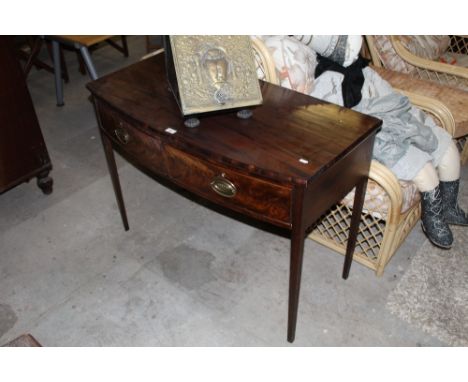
x: 353, y: 77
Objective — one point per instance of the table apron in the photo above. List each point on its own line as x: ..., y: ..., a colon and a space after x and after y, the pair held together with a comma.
x: 336, y: 182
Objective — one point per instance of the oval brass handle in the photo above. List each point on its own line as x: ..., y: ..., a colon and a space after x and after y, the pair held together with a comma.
x: 223, y: 187
x: 122, y: 135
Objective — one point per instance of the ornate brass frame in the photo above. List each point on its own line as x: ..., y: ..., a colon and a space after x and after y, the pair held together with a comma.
x: 212, y: 73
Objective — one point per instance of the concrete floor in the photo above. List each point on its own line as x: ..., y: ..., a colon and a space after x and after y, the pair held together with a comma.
x: 183, y: 275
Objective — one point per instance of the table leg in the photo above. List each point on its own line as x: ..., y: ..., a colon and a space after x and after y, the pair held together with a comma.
x: 115, y: 178
x: 124, y: 45
x: 57, y: 72
x: 354, y: 227
x: 295, y: 267
x: 89, y: 62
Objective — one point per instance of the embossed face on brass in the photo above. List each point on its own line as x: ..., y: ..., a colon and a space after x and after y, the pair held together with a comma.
x: 216, y: 66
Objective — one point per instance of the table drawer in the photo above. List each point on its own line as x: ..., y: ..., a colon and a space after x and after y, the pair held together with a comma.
x: 143, y: 148
x: 257, y: 198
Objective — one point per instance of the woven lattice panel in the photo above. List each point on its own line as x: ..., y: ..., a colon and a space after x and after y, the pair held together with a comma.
x: 377, y: 240
x: 458, y: 44
x: 334, y: 226
x: 439, y: 77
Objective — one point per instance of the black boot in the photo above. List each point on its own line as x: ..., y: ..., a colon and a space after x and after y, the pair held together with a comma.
x: 433, y: 223
x: 453, y: 214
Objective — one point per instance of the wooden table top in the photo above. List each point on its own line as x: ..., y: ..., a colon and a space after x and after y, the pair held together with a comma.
x: 288, y: 129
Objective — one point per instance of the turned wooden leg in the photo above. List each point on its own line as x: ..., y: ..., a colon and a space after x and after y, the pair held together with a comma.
x: 354, y: 227
x: 45, y: 182
x: 109, y: 152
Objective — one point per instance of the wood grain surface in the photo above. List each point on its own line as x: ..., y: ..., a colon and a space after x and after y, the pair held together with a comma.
x: 288, y: 129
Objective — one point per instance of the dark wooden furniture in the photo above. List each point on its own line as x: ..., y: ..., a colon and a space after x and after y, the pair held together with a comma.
x: 287, y: 165
x: 23, y: 153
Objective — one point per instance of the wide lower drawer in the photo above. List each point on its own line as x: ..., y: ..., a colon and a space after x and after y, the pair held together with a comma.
x: 143, y: 148
x: 257, y: 198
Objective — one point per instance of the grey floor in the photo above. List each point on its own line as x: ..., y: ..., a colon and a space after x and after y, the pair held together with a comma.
x: 183, y: 275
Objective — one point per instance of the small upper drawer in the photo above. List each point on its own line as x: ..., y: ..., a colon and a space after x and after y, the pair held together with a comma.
x: 257, y: 198
x: 143, y: 148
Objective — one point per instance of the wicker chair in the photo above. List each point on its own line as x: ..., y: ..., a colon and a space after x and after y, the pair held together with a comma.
x: 391, y: 207
x: 437, y: 73
x: 419, y: 67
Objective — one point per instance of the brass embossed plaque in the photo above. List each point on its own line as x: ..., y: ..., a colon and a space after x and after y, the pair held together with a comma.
x: 210, y: 73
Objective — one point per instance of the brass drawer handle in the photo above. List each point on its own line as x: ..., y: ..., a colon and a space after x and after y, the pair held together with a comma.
x: 122, y: 135
x: 223, y: 187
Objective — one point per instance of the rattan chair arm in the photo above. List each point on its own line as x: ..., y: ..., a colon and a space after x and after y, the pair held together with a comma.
x: 266, y: 59
x: 373, y: 51
x: 434, y: 107
x: 386, y: 179
x: 414, y: 60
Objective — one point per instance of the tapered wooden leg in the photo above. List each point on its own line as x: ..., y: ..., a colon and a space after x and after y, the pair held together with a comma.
x: 295, y: 266
x: 115, y: 178
x: 354, y: 227
x: 295, y: 271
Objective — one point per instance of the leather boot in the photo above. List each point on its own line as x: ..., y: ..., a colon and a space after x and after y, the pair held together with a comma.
x: 432, y: 219
x: 453, y: 214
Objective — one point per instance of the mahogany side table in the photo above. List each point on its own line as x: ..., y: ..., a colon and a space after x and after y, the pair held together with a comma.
x: 287, y: 165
